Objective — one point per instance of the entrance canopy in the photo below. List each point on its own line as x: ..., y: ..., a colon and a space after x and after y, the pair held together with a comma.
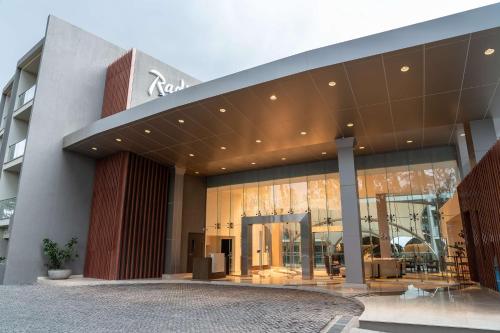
x: 402, y: 89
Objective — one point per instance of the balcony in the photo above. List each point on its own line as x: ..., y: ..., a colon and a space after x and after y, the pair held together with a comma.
x: 15, y: 156
x: 24, y: 104
x: 7, y: 208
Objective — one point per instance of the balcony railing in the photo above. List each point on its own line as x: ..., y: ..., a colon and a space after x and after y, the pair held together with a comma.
x: 16, y: 150
x: 26, y: 96
x: 7, y: 208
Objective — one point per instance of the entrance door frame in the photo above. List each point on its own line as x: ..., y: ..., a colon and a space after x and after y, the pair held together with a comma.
x: 306, y: 253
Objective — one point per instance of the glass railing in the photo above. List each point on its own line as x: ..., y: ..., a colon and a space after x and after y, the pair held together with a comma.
x: 16, y: 150
x: 26, y: 96
x: 7, y: 207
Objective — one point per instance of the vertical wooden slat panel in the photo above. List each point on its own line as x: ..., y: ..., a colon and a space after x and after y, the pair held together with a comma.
x: 146, y: 216
x: 479, y: 195
x: 126, y: 234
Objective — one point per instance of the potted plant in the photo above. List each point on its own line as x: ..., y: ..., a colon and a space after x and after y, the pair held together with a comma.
x: 58, y: 257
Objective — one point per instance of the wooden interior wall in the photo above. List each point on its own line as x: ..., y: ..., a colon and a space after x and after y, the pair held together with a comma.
x: 119, y: 76
x: 479, y: 195
x: 128, y: 219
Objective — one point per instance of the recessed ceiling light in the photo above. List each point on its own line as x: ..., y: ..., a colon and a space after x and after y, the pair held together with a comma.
x: 94, y: 148
x: 196, y: 172
x: 222, y: 110
x: 223, y: 148
x: 181, y: 121
x: 462, y: 134
x: 223, y: 168
x: 323, y: 153
x: 405, y: 68
x: 283, y: 158
x: 350, y: 124
x: 273, y: 97
x: 332, y: 83
x: 258, y: 140
x: 409, y: 141
x: 191, y: 155
x: 303, y: 133
x: 362, y: 147
x: 253, y: 163
x: 118, y: 140
x: 147, y: 131
x: 489, y: 51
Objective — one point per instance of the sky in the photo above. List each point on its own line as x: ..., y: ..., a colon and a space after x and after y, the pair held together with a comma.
x: 212, y: 38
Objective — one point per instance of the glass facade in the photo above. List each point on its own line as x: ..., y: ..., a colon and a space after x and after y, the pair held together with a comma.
x: 399, y: 209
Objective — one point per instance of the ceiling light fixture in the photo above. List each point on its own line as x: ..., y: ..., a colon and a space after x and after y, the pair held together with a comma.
x: 181, y: 121
x: 409, y: 141
x: 191, y: 155
x: 283, y: 158
x: 303, y: 133
x: 258, y: 140
x: 223, y: 168
x: 273, y: 97
x: 489, y: 51
x: 253, y: 163
x: 350, y: 125
x: 118, y: 140
x: 462, y: 134
x: 94, y: 148
x: 362, y: 147
x: 405, y: 68
x: 147, y: 131
x: 223, y: 148
x: 323, y: 153
x: 196, y: 173
x: 222, y: 110
x: 332, y: 83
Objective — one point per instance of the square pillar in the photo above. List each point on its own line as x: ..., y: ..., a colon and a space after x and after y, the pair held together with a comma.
x: 383, y: 226
x: 463, y: 158
x: 350, y: 212
x: 481, y: 136
x: 174, y: 222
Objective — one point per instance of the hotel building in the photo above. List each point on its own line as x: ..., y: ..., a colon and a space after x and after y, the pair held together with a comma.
x: 349, y: 154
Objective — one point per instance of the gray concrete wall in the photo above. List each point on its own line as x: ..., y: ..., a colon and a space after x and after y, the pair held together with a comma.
x: 193, y: 212
x: 55, y: 187
x: 142, y: 79
x: 483, y: 136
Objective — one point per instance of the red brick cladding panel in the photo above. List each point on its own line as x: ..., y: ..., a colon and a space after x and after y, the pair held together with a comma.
x: 119, y: 76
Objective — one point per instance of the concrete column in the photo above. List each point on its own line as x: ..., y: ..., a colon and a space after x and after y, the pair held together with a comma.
x: 174, y: 221
x: 496, y: 123
x: 464, y: 162
x: 350, y: 212
x: 383, y: 227
x: 481, y: 136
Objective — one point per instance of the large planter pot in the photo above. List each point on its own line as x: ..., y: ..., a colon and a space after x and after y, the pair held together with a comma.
x: 59, y: 274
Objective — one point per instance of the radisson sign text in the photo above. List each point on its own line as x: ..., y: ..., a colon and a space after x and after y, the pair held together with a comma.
x: 159, y: 83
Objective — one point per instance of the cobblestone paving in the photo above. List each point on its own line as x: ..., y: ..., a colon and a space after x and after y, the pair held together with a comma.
x: 167, y: 308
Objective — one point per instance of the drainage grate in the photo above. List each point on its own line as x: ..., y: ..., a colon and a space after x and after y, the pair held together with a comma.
x: 340, y: 324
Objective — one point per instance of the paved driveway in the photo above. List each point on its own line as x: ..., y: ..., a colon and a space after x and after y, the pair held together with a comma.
x: 167, y: 308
